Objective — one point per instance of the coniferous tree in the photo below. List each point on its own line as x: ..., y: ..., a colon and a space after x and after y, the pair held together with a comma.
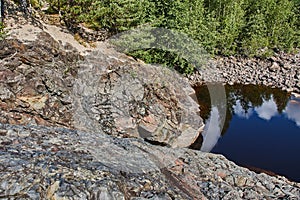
x: 226, y: 27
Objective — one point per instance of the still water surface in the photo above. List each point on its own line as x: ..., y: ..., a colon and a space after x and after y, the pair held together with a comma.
x: 261, y: 130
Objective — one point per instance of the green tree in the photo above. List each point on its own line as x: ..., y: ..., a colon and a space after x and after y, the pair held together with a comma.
x: 114, y: 15
x: 270, y: 24
x: 226, y: 27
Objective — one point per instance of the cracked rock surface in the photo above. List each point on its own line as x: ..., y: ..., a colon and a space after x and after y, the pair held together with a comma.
x: 35, y: 80
x: 126, y: 98
x: 47, y: 82
x: 57, y: 163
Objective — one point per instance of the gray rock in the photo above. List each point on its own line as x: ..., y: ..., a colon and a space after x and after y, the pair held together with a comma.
x: 287, y: 66
x: 98, y: 166
x: 5, y: 93
x: 140, y: 100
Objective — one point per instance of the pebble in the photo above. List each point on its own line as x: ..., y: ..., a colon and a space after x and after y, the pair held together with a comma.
x: 240, y: 181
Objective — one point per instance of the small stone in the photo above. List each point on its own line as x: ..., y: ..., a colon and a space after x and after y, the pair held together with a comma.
x: 232, y: 195
x: 287, y: 66
x: 3, y: 132
x: 221, y: 173
x: 278, y: 192
x: 273, y: 59
x: 250, y: 194
x: 5, y: 93
x: 274, y: 67
x: 258, y: 184
x: 240, y: 181
x: 15, y: 189
x: 11, y: 133
x: 270, y: 186
x: 229, y: 180
x: 52, y: 189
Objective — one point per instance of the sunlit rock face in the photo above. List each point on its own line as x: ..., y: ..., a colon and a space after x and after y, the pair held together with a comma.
x: 120, y: 96
x: 36, y: 81
x: 44, y: 82
x: 48, y: 78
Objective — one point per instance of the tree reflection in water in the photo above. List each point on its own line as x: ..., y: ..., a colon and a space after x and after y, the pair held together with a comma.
x: 241, y: 100
x: 259, y: 122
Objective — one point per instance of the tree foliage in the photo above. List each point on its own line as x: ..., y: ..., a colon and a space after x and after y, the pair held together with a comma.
x: 114, y: 15
x: 226, y: 27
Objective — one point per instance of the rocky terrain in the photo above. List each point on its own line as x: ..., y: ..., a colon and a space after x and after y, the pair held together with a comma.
x: 46, y: 83
x: 91, y: 123
x: 56, y: 163
x: 280, y: 71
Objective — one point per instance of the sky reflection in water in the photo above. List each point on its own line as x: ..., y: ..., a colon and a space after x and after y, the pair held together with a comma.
x: 261, y: 130
x: 269, y: 109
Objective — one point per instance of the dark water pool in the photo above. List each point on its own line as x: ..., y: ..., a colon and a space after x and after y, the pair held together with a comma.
x: 261, y: 129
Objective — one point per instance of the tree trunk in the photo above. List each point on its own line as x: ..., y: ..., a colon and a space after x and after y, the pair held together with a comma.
x: 1, y: 10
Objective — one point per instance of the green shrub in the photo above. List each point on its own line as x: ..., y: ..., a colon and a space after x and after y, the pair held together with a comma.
x: 165, y: 58
x: 226, y: 27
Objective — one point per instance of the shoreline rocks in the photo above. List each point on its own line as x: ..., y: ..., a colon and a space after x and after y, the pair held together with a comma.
x: 281, y: 71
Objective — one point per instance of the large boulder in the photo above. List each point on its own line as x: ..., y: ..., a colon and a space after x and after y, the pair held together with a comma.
x: 123, y: 97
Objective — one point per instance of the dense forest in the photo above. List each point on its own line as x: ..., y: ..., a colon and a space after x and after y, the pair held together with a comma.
x: 222, y: 27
